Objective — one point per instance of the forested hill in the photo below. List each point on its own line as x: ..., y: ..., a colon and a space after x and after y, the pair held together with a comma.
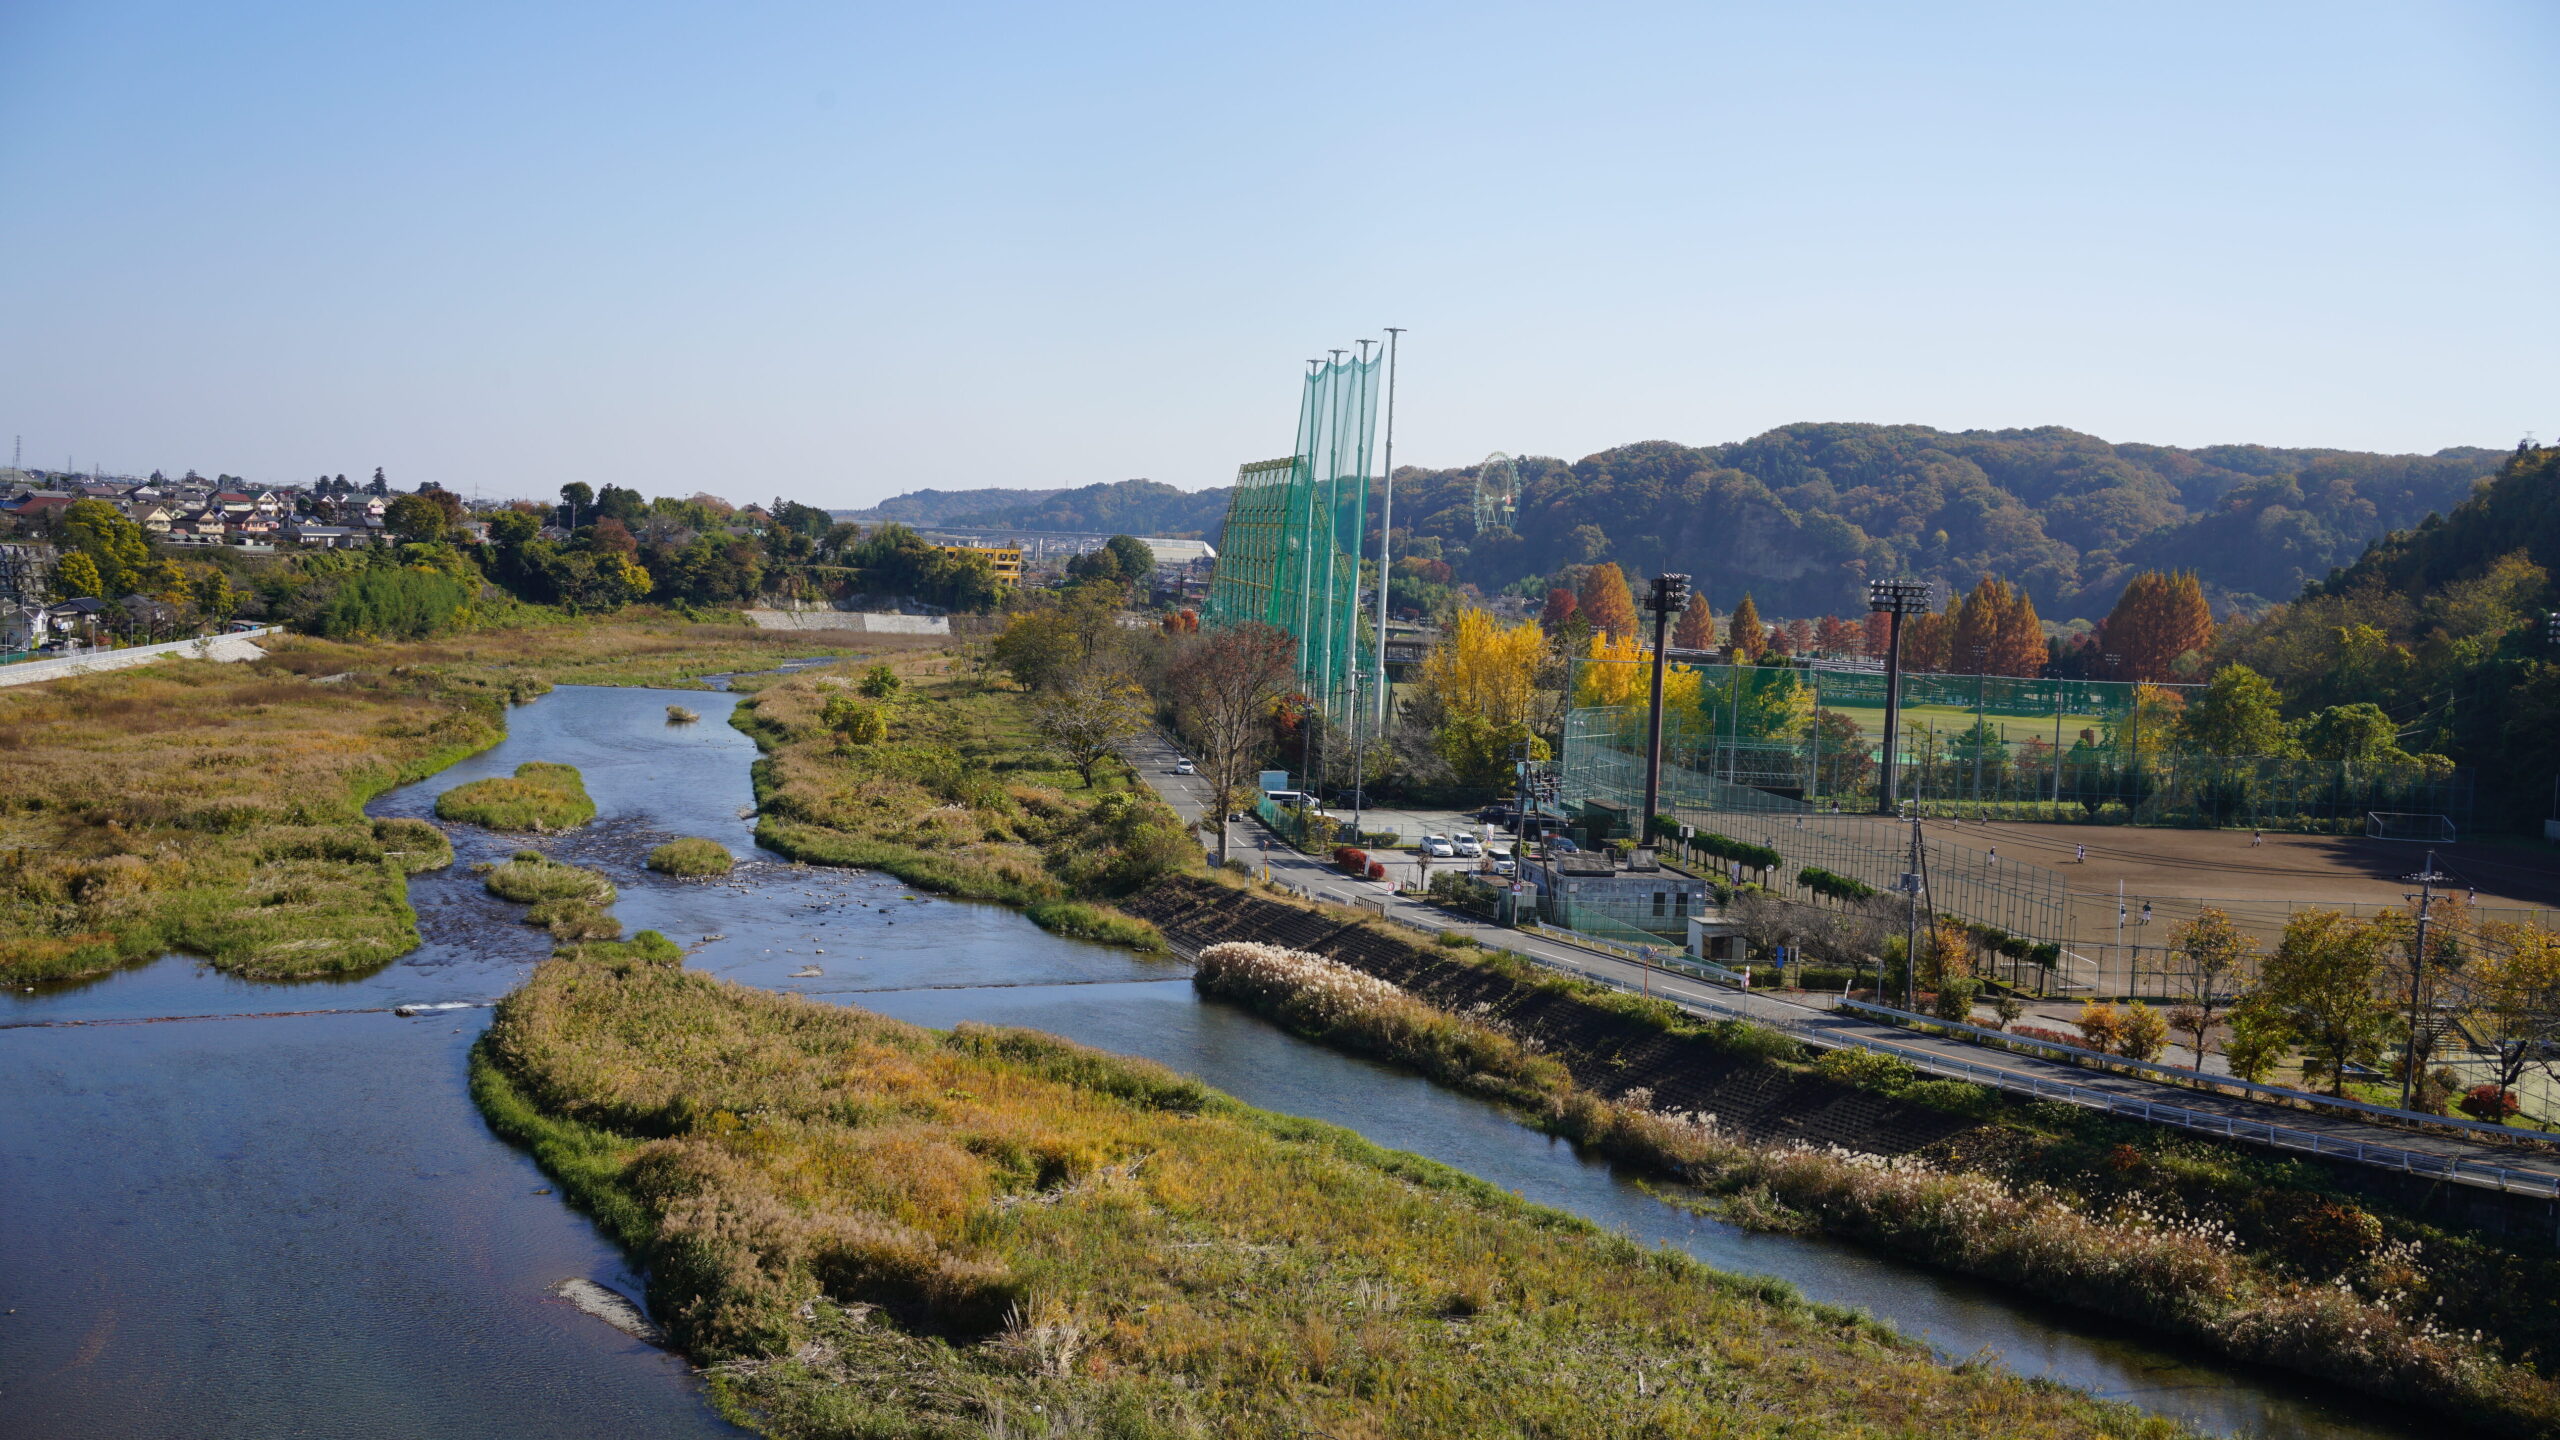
x: 1137, y: 507
x: 2520, y: 510
x: 1800, y: 516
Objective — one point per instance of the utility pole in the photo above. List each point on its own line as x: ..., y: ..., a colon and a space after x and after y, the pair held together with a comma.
x: 1895, y: 598
x: 1670, y: 592
x: 2427, y: 879
x: 1386, y: 523
x: 1359, y: 786
x: 1911, y: 886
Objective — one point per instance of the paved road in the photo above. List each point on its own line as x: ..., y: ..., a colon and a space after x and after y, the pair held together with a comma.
x: 1189, y: 796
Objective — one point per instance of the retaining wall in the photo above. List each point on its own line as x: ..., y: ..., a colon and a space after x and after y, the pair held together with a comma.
x: 210, y: 647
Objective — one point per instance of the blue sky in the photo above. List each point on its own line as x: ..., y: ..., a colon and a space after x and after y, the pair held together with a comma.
x: 840, y: 251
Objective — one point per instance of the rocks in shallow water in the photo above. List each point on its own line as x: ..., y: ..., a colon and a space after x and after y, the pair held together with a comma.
x: 611, y: 1308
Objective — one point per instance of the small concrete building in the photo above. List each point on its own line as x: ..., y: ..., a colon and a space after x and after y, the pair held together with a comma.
x: 1592, y: 892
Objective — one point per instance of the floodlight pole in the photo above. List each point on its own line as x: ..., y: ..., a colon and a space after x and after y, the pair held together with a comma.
x: 1386, y: 522
x: 1669, y: 593
x: 1359, y: 781
x: 1894, y: 598
x: 2426, y: 879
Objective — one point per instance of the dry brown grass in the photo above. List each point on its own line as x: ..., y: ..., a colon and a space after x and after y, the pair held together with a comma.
x: 879, y: 1230
x: 218, y: 809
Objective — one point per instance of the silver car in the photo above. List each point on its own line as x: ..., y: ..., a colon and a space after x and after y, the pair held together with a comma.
x: 1438, y: 847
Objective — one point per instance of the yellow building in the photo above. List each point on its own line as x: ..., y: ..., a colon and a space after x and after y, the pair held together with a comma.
x: 1005, y: 560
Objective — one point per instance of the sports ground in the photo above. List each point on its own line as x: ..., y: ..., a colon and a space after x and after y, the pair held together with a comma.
x: 2225, y: 864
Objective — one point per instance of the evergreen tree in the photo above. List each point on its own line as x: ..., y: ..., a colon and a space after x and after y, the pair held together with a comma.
x: 379, y: 486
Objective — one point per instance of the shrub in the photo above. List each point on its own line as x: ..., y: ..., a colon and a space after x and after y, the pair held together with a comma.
x: 1353, y: 861
x: 2493, y: 1103
x: 532, y: 876
x: 1081, y: 920
x: 858, y: 722
x: 391, y: 603
x: 646, y: 948
x: 2050, y: 1037
x: 539, y: 797
x: 1814, y: 977
x: 1837, y: 887
x: 1867, y: 1070
x: 573, y: 920
x: 1743, y: 852
x: 2101, y: 1027
x: 2145, y: 1033
x: 679, y: 715
x: 1466, y: 894
x: 1955, y: 1000
x: 691, y: 856
x: 1377, y: 871
x: 413, y: 845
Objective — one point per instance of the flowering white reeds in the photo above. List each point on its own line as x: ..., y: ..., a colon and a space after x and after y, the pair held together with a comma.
x: 2143, y: 1261
x: 1319, y: 988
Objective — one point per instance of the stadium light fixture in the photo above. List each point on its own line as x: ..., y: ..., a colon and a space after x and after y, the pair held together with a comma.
x: 1895, y: 599
x: 1668, y: 593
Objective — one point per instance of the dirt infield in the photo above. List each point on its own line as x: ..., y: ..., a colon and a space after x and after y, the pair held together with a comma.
x: 2225, y: 865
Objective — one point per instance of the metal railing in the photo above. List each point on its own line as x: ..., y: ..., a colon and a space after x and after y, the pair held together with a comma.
x: 2076, y: 1055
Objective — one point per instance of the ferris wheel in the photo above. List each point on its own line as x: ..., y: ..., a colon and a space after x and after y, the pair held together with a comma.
x: 1497, y: 492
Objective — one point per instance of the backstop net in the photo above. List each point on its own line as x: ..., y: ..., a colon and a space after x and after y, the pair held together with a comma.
x: 1290, y: 555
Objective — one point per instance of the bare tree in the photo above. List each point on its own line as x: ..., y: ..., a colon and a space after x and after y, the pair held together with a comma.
x: 1088, y: 716
x: 1223, y: 689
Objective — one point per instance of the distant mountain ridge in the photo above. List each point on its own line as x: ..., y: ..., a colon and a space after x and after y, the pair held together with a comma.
x: 1802, y: 515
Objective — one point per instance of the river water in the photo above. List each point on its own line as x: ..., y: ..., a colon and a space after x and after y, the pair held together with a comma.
x: 243, y: 1209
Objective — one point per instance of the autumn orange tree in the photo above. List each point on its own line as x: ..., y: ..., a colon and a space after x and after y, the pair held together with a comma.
x: 2160, y: 616
x: 1749, y: 637
x: 1996, y: 631
x: 1697, y: 627
x: 1605, y: 603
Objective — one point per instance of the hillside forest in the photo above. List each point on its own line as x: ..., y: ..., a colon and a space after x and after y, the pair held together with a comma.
x: 1802, y: 515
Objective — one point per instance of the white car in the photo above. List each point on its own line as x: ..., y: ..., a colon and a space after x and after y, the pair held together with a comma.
x: 1438, y: 847
x: 1185, y: 767
x: 1506, y: 867
x: 1467, y: 846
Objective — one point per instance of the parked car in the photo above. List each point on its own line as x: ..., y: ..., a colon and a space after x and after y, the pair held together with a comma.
x: 1563, y: 845
x: 1506, y: 867
x: 1467, y: 846
x: 1185, y: 767
x: 1497, y: 815
x: 1438, y: 847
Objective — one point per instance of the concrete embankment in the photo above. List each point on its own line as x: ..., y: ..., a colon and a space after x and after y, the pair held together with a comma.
x: 211, y: 647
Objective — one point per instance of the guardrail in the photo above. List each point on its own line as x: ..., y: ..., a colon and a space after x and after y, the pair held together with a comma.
x: 2075, y: 1055
x: 1806, y: 1027
x: 2282, y: 1137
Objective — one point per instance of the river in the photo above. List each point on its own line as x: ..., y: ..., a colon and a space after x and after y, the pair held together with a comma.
x: 226, y: 1221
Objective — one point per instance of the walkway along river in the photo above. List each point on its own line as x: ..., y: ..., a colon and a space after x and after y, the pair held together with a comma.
x: 297, y: 1224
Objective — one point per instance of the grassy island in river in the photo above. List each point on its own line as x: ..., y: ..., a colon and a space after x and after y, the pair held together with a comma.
x: 871, y: 1229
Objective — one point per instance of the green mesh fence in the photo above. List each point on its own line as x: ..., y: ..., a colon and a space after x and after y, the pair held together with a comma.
x: 1988, y: 747
x: 1290, y: 555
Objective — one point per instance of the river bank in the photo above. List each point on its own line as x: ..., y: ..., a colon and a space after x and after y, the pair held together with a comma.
x: 475, y: 1343
x: 988, y: 1227
x: 218, y: 809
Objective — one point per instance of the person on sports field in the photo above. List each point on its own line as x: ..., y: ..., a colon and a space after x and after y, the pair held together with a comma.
x: 2257, y: 837
x: 2080, y: 854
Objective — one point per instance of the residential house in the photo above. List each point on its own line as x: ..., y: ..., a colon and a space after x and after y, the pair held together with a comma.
x: 154, y: 518
x: 83, y: 619
x: 329, y: 537
x: 23, y: 627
